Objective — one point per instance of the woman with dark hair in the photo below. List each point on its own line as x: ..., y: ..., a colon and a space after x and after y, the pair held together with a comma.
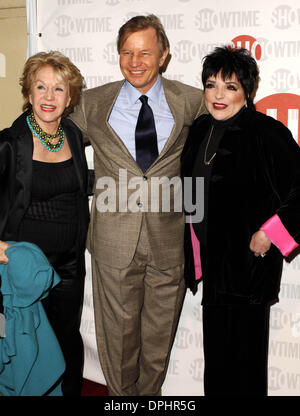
x: 250, y: 164
x: 44, y: 193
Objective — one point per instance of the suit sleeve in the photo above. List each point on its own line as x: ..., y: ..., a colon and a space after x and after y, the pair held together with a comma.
x: 202, y: 109
x: 79, y: 118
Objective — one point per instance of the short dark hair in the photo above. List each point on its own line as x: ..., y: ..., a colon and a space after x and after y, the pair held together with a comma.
x: 142, y: 23
x: 228, y: 61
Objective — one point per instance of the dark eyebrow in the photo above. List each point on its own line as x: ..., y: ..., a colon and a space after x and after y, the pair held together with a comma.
x: 231, y: 82
x: 226, y: 82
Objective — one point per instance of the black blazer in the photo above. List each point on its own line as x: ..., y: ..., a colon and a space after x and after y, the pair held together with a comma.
x: 256, y: 174
x: 16, y: 148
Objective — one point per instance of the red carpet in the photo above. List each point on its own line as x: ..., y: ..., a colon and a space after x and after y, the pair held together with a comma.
x: 90, y: 388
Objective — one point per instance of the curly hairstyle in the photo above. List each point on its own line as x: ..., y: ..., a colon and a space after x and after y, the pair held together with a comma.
x: 227, y: 61
x: 63, y: 68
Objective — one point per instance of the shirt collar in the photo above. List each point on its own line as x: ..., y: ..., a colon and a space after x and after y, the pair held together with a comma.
x: 133, y: 94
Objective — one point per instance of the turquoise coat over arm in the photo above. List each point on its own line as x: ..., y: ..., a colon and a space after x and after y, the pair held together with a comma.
x: 31, y: 361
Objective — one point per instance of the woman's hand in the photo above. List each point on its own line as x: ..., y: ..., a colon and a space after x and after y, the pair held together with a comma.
x: 3, y: 246
x: 260, y: 244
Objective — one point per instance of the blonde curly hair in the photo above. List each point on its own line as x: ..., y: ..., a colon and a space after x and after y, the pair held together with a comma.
x: 63, y: 68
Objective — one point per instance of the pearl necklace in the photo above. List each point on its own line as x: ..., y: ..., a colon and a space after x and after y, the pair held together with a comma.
x: 45, y: 137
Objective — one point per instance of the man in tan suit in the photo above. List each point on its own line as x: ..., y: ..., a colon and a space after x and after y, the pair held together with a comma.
x: 136, y: 243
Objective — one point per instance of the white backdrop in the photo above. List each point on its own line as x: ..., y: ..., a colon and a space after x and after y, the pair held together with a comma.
x: 86, y: 31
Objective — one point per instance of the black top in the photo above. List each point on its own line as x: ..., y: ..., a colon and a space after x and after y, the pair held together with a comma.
x: 51, y: 218
x: 201, y: 169
x: 255, y: 175
x: 16, y: 149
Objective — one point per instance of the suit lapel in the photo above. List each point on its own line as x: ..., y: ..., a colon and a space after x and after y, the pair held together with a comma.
x: 105, y: 107
x: 175, y: 102
x: 177, y: 107
x: 103, y: 111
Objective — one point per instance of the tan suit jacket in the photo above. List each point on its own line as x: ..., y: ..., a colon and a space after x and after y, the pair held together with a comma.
x: 113, y: 236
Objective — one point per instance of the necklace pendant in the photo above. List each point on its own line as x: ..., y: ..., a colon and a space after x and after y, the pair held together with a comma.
x: 208, y: 162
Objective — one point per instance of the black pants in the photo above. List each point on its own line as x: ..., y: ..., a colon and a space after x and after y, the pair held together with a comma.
x: 236, y: 341
x: 63, y: 307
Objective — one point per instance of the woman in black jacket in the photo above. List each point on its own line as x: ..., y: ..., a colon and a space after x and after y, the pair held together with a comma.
x: 250, y: 164
x: 44, y: 193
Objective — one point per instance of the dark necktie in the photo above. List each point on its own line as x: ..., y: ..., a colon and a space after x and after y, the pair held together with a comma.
x: 145, y: 136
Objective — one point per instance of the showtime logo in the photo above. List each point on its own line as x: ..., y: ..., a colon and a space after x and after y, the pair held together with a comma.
x: 250, y: 43
x: 208, y: 19
x: 285, y: 108
x: 67, y: 25
x: 185, y: 50
x: 284, y: 16
x: 110, y: 54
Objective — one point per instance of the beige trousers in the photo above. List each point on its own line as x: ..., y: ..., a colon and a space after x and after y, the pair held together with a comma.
x: 136, y: 315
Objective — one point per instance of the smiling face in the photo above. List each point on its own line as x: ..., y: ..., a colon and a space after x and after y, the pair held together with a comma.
x: 224, y: 98
x: 49, y: 96
x: 140, y: 59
